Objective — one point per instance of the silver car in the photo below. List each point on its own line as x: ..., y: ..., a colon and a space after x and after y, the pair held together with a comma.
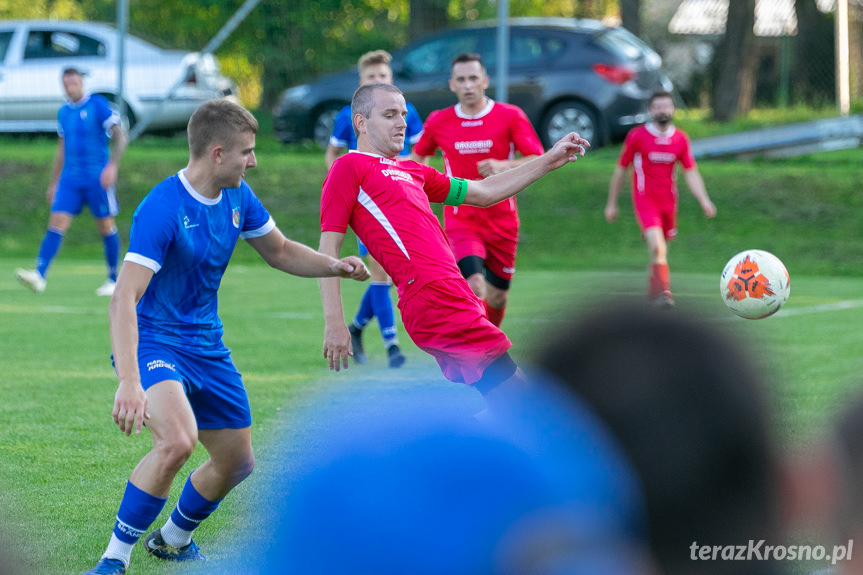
x: 33, y: 54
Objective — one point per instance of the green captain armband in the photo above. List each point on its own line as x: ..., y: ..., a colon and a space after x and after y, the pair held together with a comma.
x: 457, y: 192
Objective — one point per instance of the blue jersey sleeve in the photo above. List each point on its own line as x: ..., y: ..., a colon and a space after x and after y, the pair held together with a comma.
x: 154, y: 226
x: 258, y: 221
x: 106, y: 116
x: 343, y: 130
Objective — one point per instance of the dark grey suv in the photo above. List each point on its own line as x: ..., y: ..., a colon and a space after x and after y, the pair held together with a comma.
x: 566, y: 74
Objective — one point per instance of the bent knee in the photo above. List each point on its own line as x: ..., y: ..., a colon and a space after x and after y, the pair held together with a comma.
x: 176, y: 451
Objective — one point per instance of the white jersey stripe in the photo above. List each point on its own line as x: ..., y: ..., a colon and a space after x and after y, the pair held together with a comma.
x: 368, y: 203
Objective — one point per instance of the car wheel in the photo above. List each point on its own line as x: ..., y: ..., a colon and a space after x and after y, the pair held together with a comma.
x: 567, y: 117
x: 323, y: 126
x: 130, y: 119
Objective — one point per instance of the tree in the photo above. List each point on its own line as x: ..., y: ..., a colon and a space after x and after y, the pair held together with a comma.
x: 630, y: 17
x: 427, y: 16
x: 814, y: 57
x: 731, y: 59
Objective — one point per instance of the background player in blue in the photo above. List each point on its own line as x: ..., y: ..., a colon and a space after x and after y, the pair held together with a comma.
x: 83, y: 173
x: 374, y: 67
x: 174, y: 371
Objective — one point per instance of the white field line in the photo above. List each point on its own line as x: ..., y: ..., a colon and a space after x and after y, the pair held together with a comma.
x: 824, y: 307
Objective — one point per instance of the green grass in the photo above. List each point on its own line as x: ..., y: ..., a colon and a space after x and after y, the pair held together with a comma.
x: 64, y: 463
x: 805, y: 210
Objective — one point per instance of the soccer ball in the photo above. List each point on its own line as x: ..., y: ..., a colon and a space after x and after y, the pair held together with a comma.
x: 754, y: 284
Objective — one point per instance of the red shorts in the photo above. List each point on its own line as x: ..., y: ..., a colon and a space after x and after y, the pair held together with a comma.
x: 497, y: 250
x: 652, y: 215
x: 445, y: 319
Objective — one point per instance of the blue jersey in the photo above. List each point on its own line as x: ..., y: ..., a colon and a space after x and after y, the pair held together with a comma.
x: 85, y: 127
x: 187, y: 240
x: 344, y: 136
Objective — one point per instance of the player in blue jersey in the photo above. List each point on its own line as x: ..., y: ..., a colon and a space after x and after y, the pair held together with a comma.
x: 174, y: 371
x: 83, y: 173
x: 374, y: 67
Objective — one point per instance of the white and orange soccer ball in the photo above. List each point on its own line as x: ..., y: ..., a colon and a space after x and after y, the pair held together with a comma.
x: 754, y: 284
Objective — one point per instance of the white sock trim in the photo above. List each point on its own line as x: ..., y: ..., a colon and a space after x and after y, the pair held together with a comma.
x: 174, y: 535
x: 118, y: 550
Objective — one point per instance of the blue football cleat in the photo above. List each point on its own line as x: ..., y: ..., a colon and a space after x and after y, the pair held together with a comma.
x: 107, y: 566
x: 156, y: 546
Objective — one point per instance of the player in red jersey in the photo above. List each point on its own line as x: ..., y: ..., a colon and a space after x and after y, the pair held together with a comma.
x: 653, y: 150
x: 479, y: 138
x: 386, y: 202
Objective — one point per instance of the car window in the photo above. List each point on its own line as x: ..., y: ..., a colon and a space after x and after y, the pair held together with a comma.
x: 622, y: 43
x: 5, y: 38
x: 435, y: 57
x: 55, y: 44
x: 533, y: 48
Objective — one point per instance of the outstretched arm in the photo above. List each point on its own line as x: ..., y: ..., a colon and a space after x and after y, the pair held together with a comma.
x: 301, y: 260
x: 130, y: 401
x: 614, y: 187
x: 337, y: 338
x: 696, y: 186
x: 490, y: 167
x: 496, y: 188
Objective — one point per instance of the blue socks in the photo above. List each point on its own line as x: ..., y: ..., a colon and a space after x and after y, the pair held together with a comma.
x: 112, y: 253
x: 366, y: 311
x: 192, y: 508
x: 137, y: 511
x: 47, y: 250
x: 51, y: 245
x: 383, y: 306
x: 377, y: 302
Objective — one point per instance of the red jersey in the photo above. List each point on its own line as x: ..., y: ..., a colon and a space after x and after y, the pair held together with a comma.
x: 386, y: 202
x: 653, y: 155
x: 497, y: 132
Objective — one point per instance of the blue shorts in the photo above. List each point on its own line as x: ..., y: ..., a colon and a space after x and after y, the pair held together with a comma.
x: 212, y: 383
x: 364, y: 251
x: 73, y: 193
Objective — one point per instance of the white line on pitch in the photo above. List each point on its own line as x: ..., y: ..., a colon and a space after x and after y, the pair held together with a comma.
x: 836, y: 306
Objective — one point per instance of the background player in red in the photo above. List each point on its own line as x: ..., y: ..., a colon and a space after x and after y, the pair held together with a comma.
x: 479, y: 138
x: 653, y: 150
x: 386, y: 202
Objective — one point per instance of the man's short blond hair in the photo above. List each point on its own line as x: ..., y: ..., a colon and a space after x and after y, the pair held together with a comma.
x: 374, y: 58
x: 218, y: 122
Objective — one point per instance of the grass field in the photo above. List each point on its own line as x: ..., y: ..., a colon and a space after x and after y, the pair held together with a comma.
x: 63, y: 463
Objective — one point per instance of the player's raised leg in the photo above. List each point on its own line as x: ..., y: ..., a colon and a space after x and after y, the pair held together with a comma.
x: 174, y: 430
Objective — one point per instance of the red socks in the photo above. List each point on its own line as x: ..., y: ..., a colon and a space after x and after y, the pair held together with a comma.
x: 494, y: 314
x: 660, y: 280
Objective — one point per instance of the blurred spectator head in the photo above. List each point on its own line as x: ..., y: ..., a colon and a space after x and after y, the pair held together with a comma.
x: 689, y: 409
x: 422, y: 491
